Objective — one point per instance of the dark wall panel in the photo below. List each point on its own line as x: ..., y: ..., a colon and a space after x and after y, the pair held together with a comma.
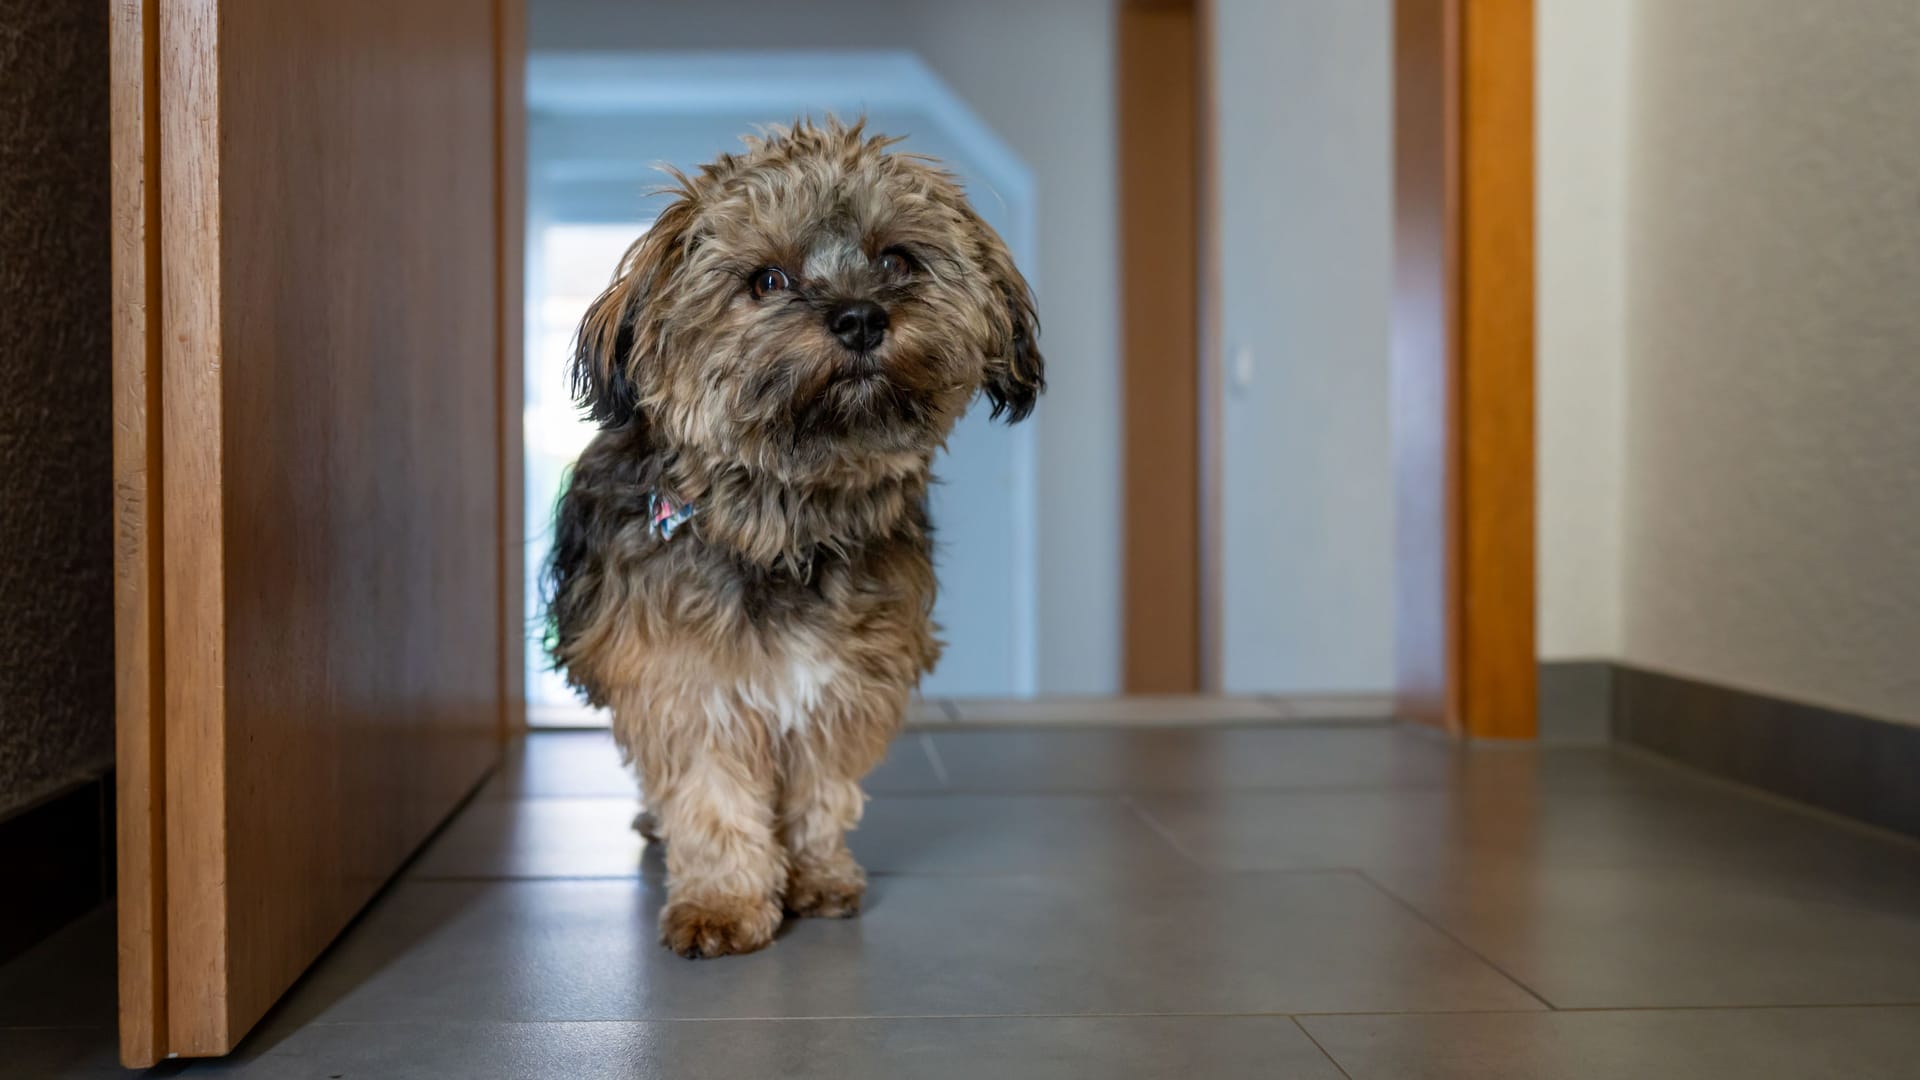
x: 56, y: 528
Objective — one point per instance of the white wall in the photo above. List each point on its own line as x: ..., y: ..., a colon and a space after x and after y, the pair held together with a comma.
x: 1770, y: 484
x: 1773, y: 408
x: 1305, y: 195
x: 1042, y: 75
x: 1583, y: 87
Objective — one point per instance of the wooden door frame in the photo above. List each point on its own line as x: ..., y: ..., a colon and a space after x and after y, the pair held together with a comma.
x: 1463, y: 365
x: 1162, y: 80
x: 510, y: 108
x: 1462, y: 358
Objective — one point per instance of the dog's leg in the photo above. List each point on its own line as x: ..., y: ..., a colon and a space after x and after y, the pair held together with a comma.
x: 817, y: 807
x: 820, y: 801
x: 725, y: 874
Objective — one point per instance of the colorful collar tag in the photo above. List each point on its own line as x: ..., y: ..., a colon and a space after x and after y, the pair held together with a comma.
x: 664, y: 516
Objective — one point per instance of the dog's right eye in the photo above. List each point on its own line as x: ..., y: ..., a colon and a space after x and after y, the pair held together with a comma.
x: 772, y: 279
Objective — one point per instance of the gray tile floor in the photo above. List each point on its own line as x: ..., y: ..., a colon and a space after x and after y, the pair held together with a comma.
x: 1351, y: 899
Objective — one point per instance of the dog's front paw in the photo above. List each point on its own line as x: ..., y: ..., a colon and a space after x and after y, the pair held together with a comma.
x: 826, y: 895
x: 718, y: 926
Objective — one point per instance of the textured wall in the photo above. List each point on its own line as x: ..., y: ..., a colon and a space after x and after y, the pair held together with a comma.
x: 1583, y: 84
x: 1772, y: 532
x: 56, y: 554
x: 1306, y: 169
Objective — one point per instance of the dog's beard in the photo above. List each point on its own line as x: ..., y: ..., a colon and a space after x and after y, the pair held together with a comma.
x: 816, y: 398
x: 861, y: 399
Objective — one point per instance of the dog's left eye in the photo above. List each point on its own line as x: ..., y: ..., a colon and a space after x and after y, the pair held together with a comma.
x: 771, y: 279
x: 894, y: 262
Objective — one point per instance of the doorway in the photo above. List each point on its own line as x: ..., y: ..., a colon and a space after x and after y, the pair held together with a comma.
x: 600, y: 128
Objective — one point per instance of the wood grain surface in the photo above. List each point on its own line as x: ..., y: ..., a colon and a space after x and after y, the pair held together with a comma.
x: 140, y: 846
x: 333, y: 489
x: 510, y: 155
x: 1500, y: 659
x: 1463, y: 381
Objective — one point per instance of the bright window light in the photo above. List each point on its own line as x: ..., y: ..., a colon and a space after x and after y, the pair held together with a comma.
x: 572, y: 264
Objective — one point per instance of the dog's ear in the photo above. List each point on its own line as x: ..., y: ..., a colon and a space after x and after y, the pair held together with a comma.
x: 618, y: 338
x: 1016, y: 375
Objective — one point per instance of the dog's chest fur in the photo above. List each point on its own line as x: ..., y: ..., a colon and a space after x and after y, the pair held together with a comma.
x: 791, y: 690
x: 730, y: 617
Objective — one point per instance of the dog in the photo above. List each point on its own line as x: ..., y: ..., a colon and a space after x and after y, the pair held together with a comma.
x: 742, y: 563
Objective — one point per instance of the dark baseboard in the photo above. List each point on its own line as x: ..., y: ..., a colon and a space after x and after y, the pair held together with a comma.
x: 58, y: 856
x: 1852, y: 765
x: 1576, y: 700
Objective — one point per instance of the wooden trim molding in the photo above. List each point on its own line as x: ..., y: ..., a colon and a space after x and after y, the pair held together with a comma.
x: 1208, y: 357
x: 1463, y: 377
x: 140, y: 849
x: 1158, y: 159
x: 192, y: 501
x: 510, y: 103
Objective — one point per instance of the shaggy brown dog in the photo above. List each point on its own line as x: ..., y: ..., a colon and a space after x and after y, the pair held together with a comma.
x: 742, y: 561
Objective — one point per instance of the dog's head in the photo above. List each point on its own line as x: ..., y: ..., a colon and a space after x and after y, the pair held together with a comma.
x: 814, y: 302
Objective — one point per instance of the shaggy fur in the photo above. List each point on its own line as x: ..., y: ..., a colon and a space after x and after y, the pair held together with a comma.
x: 759, y: 659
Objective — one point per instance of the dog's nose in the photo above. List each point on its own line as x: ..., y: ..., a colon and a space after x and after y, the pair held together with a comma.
x: 860, y: 325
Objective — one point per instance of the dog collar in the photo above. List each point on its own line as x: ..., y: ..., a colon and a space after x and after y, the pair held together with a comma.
x: 664, y: 515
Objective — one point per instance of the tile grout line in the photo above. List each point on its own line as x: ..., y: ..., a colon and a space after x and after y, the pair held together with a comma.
x: 1294, y: 1016
x: 1196, y: 792
x: 1324, y: 1052
x: 972, y: 725
x: 1812, y: 1006
x: 642, y: 874
x: 1453, y: 937
x: 1357, y: 788
x: 898, y: 1017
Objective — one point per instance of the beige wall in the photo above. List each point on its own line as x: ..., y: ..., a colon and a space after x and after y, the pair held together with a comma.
x: 1581, y: 98
x: 1770, y: 481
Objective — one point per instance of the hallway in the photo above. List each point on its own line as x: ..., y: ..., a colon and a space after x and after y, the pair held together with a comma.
x: 1301, y: 899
